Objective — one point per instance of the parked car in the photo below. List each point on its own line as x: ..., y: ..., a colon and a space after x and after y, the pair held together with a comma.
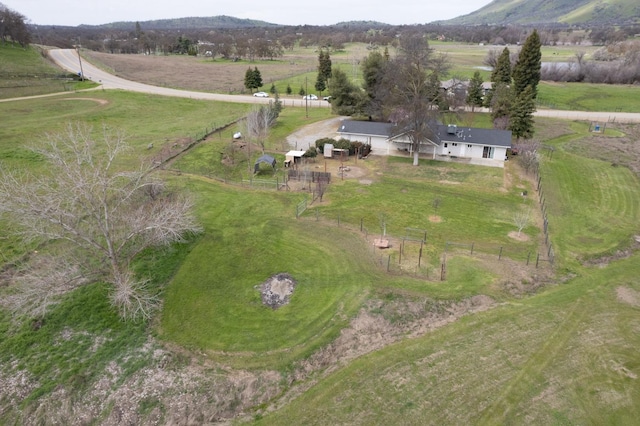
x: 310, y: 98
x: 327, y: 98
x: 261, y: 94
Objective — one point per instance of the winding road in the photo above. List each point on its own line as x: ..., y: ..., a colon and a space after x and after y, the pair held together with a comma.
x: 68, y: 59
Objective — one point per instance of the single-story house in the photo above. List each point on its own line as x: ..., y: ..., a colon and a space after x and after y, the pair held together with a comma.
x: 477, y: 146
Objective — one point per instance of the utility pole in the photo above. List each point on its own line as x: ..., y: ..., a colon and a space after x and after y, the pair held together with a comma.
x: 306, y: 98
x: 80, y: 60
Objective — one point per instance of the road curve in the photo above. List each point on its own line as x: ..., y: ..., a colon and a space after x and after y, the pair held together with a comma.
x: 68, y: 59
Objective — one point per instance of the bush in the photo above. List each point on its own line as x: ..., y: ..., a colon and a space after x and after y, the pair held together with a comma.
x: 312, y: 152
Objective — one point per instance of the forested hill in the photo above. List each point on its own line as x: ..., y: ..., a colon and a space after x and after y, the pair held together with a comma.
x: 221, y: 21
x: 592, y: 12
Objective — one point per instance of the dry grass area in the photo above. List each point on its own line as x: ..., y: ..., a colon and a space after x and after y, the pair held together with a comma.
x: 197, y: 73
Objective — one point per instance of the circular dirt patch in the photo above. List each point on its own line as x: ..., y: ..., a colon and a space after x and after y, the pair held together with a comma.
x: 277, y: 290
x: 435, y: 219
x: 519, y: 237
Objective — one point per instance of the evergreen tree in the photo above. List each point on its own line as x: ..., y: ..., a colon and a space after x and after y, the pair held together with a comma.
x: 501, y: 102
x: 346, y: 97
x: 372, y: 70
x: 324, y: 64
x: 289, y: 90
x: 252, y: 78
x: 257, y: 78
x: 273, y: 89
x: 475, y: 92
x: 249, y: 79
x: 502, y: 72
x: 302, y: 92
x: 321, y: 84
x: 526, y: 72
x: 521, y: 116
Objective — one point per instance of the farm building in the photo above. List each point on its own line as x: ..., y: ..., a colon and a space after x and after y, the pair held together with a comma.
x: 477, y: 146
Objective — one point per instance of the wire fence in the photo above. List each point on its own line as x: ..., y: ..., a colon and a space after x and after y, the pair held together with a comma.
x: 410, y: 251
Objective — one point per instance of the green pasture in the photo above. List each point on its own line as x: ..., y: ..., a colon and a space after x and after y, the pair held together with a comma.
x: 565, y: 356
x: 213, y: 303
x: 26, y: 72
x: 594, y: 204
x: 144, y: 119
x: 589, y: 97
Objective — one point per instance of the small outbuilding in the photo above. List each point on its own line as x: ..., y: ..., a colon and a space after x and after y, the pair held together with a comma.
x: 264, y: 159
x: 293, y: 157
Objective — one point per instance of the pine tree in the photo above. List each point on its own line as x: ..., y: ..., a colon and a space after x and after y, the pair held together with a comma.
x: 501, y: 101
x: 324, y: 65
x: 257, y: 77
x: 526, y: 72
x: 321, y: 84
x: 289, y: 90
x: 521, y: 117
x: 249, y: 79
x: 502, y: 72
x: 475, y: 92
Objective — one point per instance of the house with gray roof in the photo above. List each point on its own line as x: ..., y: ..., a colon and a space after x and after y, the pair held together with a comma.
x: 450, y: 142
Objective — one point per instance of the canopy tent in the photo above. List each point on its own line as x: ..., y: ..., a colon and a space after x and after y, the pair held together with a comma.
x: 264, y: 159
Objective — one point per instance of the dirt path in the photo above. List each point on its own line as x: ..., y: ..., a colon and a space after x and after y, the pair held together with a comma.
x: 305, y: 137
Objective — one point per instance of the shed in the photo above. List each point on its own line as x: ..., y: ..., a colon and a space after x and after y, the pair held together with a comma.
x: 264, y: 159
x: 292, y: 157
x: 328, y: 150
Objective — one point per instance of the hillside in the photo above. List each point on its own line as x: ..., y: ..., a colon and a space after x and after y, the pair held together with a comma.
x: 221, y: 21
x: 593, y: 12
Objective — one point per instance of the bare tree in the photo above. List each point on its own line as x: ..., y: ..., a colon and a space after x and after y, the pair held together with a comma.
x: 95, y: 218
x: 259, y: 121
x: 521, y: 219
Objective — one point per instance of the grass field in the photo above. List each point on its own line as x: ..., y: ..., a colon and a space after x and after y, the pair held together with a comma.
x: 358, y: 344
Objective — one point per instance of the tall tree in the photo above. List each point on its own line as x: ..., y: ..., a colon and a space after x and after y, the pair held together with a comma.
x: 409, y: 92
x: 373, y: 68
x: 501, y: 102
x: 321, y: 84
x: 324, y: 64
x: 502, y: 71
x: 96, y: 217
x: 526, y: 71
x: 521, y: 121
x: 346, y: 97
x: 475, y: 93
x: 13, y: 27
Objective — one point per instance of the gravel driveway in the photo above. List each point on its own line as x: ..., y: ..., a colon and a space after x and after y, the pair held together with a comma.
x: 307, y: 136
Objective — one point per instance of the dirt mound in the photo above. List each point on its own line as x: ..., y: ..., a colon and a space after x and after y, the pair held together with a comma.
x: 277, y: 290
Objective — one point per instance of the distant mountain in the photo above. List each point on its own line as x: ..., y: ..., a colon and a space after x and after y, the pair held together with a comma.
x: 221, y: 21
x: 592, y: 12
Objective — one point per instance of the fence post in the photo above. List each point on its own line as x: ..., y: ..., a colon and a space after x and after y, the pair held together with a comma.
x: 472, y: 248
x: 317, y: 214
x: 389, y: 264
x: 338, y: 221
x: 361, y: 220
x: 537, y: 260
x: 500, y: 254
x: 528, y: 258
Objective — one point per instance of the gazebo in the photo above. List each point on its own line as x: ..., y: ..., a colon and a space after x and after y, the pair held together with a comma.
x: 264, y: 159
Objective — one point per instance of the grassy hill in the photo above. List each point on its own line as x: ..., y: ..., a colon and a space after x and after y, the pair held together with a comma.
x: 592, y: 12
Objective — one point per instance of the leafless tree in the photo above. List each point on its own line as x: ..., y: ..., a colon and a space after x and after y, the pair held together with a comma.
x: 528, y: 155
x: 95, y: 218
x: 521, y: 219
x: 258, y: 122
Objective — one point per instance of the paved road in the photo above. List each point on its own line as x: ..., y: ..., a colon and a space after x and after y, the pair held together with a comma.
x: 68, y: 59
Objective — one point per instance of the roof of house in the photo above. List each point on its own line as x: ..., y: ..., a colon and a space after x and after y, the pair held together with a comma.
x: 443, y: 133
x: 474, y: 135
x: 368, y: 128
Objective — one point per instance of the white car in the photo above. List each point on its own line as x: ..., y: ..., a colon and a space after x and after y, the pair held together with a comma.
x: 261, y: 94
x: 310, y: 98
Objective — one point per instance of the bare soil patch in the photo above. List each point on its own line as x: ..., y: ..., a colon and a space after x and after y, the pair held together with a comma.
x: 435, y: 219
x: 518, y: 236
x: 628, y: 296
x: 99, y: 101
x: 277, y: 290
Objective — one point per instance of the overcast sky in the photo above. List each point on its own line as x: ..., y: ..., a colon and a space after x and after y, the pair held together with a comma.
x: 285, y: 12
